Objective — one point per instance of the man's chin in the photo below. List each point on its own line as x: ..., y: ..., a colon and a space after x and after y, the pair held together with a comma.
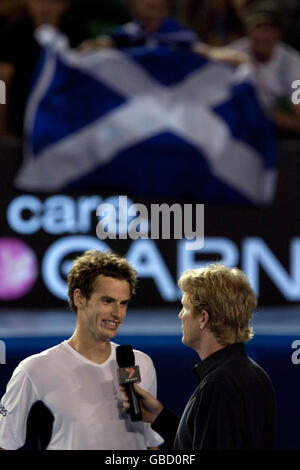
x: 104, y: 331
x: 104, y: 336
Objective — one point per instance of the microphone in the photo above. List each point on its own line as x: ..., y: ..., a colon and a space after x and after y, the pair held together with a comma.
x: 128, y: 374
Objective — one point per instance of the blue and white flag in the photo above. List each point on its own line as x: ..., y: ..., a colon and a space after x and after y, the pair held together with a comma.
x: 160, y: 123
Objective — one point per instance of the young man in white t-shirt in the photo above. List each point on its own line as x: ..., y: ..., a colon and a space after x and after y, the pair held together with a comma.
x: 276, y: 65
x: 67, y: 397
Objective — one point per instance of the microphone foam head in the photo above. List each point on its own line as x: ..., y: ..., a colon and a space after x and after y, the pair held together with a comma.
x: 125, y: 356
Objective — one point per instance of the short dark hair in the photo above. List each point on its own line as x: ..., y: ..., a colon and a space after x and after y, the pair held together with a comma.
x: 91, y: 264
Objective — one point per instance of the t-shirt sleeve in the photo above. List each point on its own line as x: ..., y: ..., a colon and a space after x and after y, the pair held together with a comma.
x: 153, y: 439
x: 15, y: 406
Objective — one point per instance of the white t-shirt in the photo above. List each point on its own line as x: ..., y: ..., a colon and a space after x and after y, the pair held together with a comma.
x: 83, y: 397
x: 273, y: 79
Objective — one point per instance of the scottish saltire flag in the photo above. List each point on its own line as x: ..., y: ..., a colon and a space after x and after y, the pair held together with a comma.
x: 158, y: 122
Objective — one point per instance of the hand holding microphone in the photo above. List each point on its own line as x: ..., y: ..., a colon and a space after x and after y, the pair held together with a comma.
x: 150, y: 407
x: 140, y: 404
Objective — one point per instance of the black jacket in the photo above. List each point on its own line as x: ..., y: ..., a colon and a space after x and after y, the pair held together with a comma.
x: 233, y: 406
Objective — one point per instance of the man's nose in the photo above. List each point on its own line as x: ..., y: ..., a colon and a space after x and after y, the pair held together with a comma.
x: 117, y: 310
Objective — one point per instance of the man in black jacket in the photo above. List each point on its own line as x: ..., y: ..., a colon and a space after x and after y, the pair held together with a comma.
x: 233, y: 406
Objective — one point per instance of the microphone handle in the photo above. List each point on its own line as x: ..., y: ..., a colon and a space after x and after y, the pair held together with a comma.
x: 135, y: 409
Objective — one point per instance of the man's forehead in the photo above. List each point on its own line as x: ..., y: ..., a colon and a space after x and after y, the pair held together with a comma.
x: 108, y: 283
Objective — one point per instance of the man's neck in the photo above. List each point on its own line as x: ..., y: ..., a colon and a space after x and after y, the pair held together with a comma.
x: 95, y: 350
x: 208, y: 346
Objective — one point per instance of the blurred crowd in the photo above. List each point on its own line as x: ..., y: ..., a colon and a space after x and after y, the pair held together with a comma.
x: 264, y: 32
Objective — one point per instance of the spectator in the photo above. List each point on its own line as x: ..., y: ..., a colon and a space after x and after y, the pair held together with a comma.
x: 19, y: 52
x: 276, y: 64
x: 216, y: 22
x: 153, y: 24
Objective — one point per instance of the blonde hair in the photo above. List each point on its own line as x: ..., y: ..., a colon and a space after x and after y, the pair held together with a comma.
x: 226, y: 294
x: 91, y: 264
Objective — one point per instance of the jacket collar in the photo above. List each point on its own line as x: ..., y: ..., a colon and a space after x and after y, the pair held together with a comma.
x: 217, y: 358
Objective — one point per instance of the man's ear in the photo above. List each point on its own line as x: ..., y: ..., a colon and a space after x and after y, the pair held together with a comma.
x: 204, y: 319
x: 77, y: 298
